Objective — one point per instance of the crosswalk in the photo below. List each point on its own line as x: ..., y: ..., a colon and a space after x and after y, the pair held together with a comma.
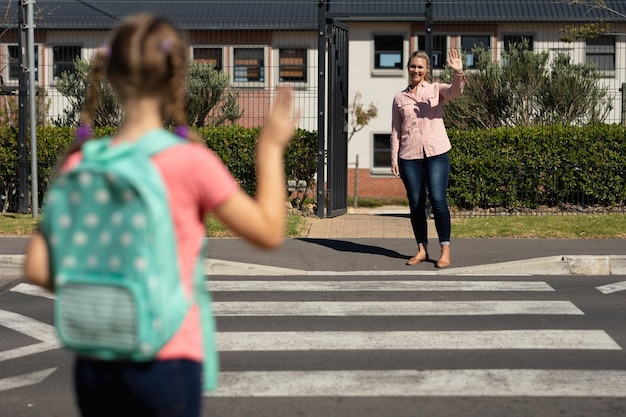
x: 325, y: 336
x: 280, y: 303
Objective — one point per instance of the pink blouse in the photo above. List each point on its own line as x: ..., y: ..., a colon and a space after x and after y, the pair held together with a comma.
x: 417, y: 129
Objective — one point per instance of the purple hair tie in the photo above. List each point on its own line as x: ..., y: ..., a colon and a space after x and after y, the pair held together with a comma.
x: 84, y: 132
x: 166, y: 46
x: 182, y: 131
x: 106, y: 51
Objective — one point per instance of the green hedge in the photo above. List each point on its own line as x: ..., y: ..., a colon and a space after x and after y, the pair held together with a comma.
x: 503, y: 167
x: 546, y: 165
x: 234, y: 144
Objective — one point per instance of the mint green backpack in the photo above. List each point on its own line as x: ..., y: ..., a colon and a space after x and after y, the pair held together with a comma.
x: 113, y: 258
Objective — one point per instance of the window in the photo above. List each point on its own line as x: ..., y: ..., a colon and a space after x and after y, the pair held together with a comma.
x: 438, y: 57
x: 518, y: 40
x: 63, y: 59
x: 249, y: 65
x: 210, y: 56
x: 601, y: 52
x: 388, y: 52
x: 381, y: 152
x: 292, y: 65
x: 14, y: 63
x: 470, y: 42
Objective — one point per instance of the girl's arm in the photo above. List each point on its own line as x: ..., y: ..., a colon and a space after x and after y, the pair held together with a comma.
x: 37, y: 264
x: 261, y: 220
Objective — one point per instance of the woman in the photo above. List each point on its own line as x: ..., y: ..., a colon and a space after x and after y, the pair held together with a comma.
x: 419, y: 149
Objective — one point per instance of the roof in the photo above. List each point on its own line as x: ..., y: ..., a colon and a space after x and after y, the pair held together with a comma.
x: 527, y: 11
x: 303, y: 14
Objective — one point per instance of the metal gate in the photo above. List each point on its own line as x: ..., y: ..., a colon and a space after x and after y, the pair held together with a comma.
x: 332, y: 190
x: 337, y: 183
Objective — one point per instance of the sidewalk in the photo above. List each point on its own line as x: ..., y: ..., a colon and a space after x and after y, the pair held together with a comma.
x: 378, y: 242
x: 381, y: 222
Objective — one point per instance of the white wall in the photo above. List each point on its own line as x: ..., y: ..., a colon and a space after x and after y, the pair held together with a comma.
x: 378, y: 90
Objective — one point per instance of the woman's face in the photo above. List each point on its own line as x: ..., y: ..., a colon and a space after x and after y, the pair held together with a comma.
x: 418, y: 68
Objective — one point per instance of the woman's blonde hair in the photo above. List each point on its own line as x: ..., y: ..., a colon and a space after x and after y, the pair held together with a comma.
x: 422, y: 55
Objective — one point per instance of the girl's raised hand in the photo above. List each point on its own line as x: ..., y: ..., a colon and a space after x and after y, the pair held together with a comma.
x: 280, y: 125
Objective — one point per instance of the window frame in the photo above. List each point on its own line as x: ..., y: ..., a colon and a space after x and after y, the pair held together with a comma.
x: 12, y: 65
x: 53, y: 49
x: 263, y: 68
x: 602, y: 50
x: 304, y: 65
x: 506, y: 40
x: 468, y: 52
x: 220, y: 60
x: 400, y: 68
x: 441, y: 53
x: 380, y: 170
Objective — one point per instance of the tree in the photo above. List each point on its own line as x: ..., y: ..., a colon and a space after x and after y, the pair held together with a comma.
x: 527, y: 89
x: 594, y: 4
x: 360, y: 116
x: 572, y: 95
x: 73, y: 86
x: 209, y: 101
x: 588, y: 30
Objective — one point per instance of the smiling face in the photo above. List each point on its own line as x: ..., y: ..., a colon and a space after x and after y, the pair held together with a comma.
x: 418, y: 69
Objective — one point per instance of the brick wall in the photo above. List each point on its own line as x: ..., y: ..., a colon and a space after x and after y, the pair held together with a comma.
x: 375, y: 187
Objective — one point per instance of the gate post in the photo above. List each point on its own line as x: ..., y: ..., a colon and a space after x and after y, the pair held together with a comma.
x: 321, y: 109
x: 428, y: 15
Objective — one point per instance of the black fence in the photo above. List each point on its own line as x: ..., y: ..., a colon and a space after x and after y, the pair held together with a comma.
x: 248, y: 49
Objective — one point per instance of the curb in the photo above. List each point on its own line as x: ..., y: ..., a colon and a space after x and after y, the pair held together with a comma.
x: 565, y: 265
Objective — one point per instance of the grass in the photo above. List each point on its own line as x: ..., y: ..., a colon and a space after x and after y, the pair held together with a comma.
x: 582, y: 226
x: 592, y: 226
x: 14, y: 224
x: 296, y: 227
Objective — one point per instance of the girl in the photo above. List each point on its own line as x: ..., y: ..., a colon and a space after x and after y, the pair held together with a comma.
x: 146, y: 64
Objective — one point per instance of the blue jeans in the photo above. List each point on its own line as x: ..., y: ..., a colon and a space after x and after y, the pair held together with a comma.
x: 171, y: 388
x: 432, y: 173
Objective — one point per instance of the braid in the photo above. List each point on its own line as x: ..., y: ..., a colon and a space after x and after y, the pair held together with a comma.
x: 92, y: 97
x: 84, y: 132
x: 175, y: 108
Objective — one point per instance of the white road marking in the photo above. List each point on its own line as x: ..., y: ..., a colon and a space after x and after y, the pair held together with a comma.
x: 415, y: 285
x: 392, y: 308
x: 415, y: 383
x: 25, y: 379
x: 43, y: 332
x: 611, y: 288
x: 33, y: 290
x: 417, y: 340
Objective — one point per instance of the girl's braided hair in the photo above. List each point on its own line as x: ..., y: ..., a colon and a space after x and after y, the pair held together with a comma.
x: 146, y: 57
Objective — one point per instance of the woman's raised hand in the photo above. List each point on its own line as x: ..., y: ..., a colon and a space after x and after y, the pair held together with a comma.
x: 455, y: 61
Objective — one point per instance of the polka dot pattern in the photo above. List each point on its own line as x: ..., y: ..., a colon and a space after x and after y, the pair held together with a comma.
x: 105, y: 210
x: 113, y: 252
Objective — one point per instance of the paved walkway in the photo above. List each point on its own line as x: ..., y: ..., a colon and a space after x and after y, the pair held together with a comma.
x: 380, y: 222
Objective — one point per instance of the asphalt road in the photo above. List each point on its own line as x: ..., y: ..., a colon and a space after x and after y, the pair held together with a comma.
x: 341, y: 327
x: 369, y: 345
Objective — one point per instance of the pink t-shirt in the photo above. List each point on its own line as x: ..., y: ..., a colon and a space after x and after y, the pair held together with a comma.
x: 197, y: 182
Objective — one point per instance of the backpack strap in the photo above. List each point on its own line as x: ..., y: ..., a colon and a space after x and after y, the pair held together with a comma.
x: 202, y: 297
x: 150, y: 144
x: 157, y: 140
